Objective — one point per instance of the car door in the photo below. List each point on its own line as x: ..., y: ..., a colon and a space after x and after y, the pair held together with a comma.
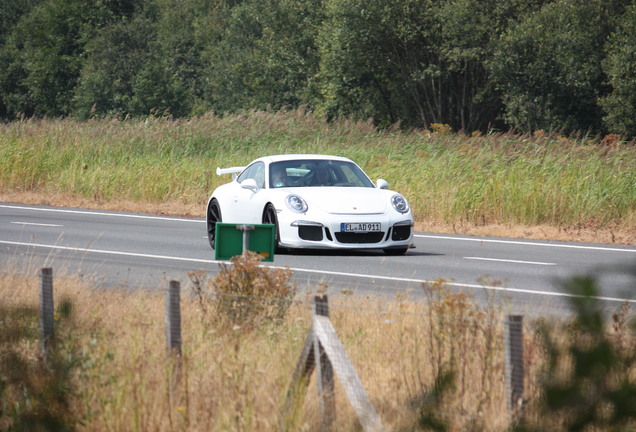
x: 249, y: 198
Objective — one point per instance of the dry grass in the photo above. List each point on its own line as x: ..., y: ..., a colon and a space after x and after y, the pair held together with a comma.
x: 233, y: 375
x: 236, y: 377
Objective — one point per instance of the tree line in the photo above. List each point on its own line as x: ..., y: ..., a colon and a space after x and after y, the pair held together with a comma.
x: 554, y: 65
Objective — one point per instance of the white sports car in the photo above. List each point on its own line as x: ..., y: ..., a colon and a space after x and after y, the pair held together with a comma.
x: 316, y: 202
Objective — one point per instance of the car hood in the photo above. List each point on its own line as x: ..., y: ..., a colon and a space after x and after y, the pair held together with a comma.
x: 346, y: 200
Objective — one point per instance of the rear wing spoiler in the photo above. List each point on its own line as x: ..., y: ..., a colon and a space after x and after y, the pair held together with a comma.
x: 233, y: 170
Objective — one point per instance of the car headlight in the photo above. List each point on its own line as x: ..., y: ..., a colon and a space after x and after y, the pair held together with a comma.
x: 400, y: 203
x: 296, y: 204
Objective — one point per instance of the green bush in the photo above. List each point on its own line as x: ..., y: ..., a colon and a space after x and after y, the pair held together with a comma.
x: 245, y: 293
x: 588, y: 381
x: 35, y: 395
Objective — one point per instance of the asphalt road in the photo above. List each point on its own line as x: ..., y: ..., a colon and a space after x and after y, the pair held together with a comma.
x: 116, y: 249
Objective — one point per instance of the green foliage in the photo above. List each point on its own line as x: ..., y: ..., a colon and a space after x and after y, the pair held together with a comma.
x: 43, y: 54
x: 262, y: 54
x: 474, y: 65
x: 157, y: 92
x: 114, y: 58
x: 588, y: 384
x: 588, y: 381
x: 34, y: 395
x: 372, y: 54
x: 10, y: 14
x: 620, y: 67
x: 414, y: 62
x: 177, y: 59
x: 548, y: 66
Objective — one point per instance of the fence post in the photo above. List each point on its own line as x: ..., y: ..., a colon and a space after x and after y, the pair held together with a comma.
x: 332, y: 360
x: 324, y: 370
x: 173, y: 317
x: 47, y: 319
x: 513, y: 345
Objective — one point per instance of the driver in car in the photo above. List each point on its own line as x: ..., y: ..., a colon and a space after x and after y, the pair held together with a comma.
x: 322, y: 176
x: 279, y: 177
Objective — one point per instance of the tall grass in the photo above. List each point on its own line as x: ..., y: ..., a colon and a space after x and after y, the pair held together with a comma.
x: 448, y: 178
x: 113, y: 371
x: 236, y: 377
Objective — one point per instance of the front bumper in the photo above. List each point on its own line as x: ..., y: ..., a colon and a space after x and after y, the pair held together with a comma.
x: 302, y: 233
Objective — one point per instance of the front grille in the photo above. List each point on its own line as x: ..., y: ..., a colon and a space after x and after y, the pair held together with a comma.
x: 310, y: 232
x: 359, y: 238
x: 401, y: 232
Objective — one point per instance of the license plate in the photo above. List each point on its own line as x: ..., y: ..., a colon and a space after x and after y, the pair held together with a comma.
x: 360, y: 227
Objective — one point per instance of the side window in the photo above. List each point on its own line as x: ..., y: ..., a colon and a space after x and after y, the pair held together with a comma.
x: 255, y: 171
x: 245, y: 174
x: 259, y: 174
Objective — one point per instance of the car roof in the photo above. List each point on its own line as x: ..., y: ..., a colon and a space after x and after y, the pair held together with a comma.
x: 286, y: 157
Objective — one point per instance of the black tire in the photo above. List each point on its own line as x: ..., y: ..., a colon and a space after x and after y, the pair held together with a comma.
x: 213, y: 216
x: 396, y: 251
x: 269, y: 217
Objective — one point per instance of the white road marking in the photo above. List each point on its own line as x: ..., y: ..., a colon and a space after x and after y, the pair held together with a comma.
x: 317, y: 271
x: 190, y: 220
x: 526, y: 243
x: 97, y: 213
x: 36, y: 224
x: 511, y: 261
x: 107, y: 252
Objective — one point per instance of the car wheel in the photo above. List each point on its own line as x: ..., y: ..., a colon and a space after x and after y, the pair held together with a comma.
x: 269, y: 217
x: 396, y: 251
x: 213, y: 216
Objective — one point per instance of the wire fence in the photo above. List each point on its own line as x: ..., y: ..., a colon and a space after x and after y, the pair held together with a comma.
x: 443, y: 361
x: 443, y: 357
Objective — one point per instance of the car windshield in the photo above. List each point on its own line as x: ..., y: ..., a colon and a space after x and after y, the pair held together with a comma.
x: 312, y: 173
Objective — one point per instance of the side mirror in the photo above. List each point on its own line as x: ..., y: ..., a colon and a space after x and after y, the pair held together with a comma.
x: 250, y: 184
x: 382, y: 184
